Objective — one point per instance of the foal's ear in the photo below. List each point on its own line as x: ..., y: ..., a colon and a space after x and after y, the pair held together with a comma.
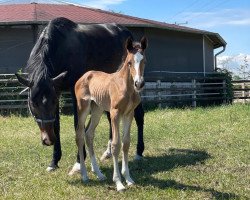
x: 58, y: 80
x: 144, y: 43
x: 129, y: 44
x: 23, y: 80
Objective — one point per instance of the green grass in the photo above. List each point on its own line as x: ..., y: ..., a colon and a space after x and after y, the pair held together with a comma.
x: 201, y: 153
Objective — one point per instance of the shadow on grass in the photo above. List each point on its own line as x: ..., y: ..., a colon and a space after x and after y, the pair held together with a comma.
x: 174, y: 158
x: 142, y: 172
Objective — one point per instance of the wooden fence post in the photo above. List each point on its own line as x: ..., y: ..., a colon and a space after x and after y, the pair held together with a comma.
x: 243, y: 92
x: 224, y: 85
x: 159, y: 93
x: 194, y: 93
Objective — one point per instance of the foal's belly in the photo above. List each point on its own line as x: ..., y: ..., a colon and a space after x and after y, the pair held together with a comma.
x: 103, y: 102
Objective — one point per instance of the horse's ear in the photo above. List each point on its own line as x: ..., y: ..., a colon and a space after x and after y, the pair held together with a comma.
x: 58, y: 80
x: 144, y: 43
x: 23, y: 80
x: 129, y: 44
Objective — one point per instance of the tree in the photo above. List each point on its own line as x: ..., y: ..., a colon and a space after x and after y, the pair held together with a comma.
x: 244, y: 71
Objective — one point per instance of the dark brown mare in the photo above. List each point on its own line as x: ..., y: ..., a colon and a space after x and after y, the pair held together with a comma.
x: 62, y: 54
x: 117, y: 93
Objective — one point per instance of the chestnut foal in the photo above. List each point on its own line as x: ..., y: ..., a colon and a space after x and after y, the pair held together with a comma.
x: 117, y: 93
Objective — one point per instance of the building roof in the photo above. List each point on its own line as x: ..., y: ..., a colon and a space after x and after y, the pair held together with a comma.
x: 42, y: 13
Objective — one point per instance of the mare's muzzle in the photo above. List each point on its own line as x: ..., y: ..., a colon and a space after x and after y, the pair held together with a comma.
x: 47, y: 133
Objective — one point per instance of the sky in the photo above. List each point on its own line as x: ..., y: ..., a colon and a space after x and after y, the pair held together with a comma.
x: 229, y: 18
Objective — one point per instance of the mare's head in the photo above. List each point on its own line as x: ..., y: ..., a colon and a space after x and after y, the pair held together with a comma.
x: 43, y: 102
x: 135, y: 60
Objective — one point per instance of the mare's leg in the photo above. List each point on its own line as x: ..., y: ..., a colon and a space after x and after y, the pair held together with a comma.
x: 126, y: 120
x: 107, y: 154
x: 96, y: 114
x: 139, y: 118
x: 76, y: 167
x: 115, y: 148
x: 57, y: 152
x: 80, y: 133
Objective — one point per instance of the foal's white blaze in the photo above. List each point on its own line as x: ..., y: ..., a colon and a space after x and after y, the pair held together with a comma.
x: 138, y: 58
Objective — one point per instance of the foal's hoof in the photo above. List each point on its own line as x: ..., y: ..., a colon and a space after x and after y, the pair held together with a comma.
x: 130, y: 183
x: 75, y: 169
x: 120, y: 188
x: 105, y: 156
x: 52, y: 168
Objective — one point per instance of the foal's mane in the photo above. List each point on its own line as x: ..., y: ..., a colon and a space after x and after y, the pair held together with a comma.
x: 40, y: 63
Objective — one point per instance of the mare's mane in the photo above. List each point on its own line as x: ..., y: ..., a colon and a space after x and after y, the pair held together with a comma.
x: 40, y: 63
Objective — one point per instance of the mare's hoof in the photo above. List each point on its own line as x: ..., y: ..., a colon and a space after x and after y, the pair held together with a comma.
x: 85, y: 180
x: 137, y: 157
x: 52, y: 168
x: 102, y: 178
x: 105, y: 156
x: 75, y: 169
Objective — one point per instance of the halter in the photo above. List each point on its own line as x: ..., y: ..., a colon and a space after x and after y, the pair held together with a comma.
x: 41, y: 121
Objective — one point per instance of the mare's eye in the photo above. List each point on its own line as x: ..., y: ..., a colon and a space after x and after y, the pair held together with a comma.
x: 33, y: 104
x: 129, y: 64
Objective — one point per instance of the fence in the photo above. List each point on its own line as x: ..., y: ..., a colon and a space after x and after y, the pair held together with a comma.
x: 241, y: 89
x: 161, y: 89
x: 185, y: 89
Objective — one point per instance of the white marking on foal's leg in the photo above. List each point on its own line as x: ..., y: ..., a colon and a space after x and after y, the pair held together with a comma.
x: 117, y: 176
x: 125, y: 170
x: 107, y: 154
x: 75, y: 169
x: 95, y: 168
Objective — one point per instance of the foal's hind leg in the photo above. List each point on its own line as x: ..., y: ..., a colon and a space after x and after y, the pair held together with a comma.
x: 96, y: 114
x: 107, y: 154
x: 80, y: 133
x: 127, y: 120
x: 76, y: 167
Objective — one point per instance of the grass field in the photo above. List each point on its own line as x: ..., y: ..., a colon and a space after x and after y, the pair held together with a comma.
x: 201, y: 153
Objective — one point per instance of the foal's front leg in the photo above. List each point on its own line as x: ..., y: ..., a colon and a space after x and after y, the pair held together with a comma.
x: 127, y: 120
x: 115, y: 148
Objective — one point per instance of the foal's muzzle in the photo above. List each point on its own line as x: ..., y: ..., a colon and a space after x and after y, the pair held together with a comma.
x: 139, y: 85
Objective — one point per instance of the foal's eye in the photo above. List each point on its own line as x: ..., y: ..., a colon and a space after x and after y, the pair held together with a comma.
x: 129, y: 64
